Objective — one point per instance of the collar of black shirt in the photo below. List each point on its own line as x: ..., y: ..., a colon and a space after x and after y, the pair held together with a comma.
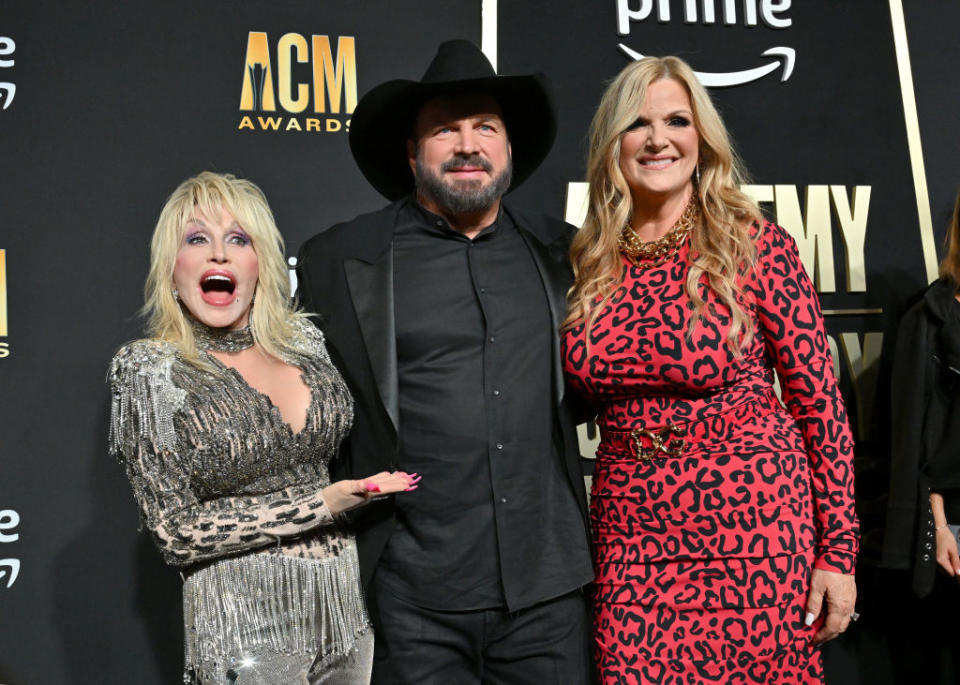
x: 416, y: 215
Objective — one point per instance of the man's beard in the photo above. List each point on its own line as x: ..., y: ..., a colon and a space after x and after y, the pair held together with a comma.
x: 462, y: 197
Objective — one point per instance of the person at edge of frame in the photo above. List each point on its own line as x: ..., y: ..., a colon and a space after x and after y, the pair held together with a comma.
x: 441, y: 311
x: 923, y: 517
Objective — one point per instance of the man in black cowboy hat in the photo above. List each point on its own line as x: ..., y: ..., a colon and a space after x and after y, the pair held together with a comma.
x: 441, y: 310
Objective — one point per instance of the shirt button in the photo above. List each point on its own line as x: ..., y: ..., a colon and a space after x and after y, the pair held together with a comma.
x: 926, y: 557
x: 483, y: 290
x: 503, y: 500
x: 928, y: 546
x: 496, y: 393
x: 499, y: 445
x: 491, y: 338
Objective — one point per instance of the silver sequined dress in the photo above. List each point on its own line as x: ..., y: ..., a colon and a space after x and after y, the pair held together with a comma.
x: 229, y: 492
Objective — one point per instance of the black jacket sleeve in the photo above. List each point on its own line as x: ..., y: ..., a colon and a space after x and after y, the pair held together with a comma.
x: 909, y: 519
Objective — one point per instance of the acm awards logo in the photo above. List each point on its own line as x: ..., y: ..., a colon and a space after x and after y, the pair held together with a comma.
x: 9, y: 568
x: 313, y: 87
x: 7, y: 88
x: 4, y: 346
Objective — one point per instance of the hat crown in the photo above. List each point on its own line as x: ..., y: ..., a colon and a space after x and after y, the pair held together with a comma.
x: 383, y: 118
x: 458, y: 60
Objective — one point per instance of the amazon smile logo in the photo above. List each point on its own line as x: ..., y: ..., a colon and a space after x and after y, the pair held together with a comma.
x: 730, y: 12
x: 9, y: 568
x: 7, y: 88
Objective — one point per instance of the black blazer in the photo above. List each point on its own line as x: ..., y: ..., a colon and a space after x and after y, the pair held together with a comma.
x: 925, y: 390
x: 345, y: 277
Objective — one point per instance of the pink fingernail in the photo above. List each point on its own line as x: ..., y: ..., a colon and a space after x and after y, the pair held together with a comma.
x: 412, y: 487
x: 373, y: 487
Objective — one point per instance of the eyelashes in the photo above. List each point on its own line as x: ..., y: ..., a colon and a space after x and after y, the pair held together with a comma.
x: 677, y: 122
x: 235, y: 238
x: 240, y: 238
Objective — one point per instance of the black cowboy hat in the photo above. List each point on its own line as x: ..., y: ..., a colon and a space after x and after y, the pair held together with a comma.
x: 384, y: 117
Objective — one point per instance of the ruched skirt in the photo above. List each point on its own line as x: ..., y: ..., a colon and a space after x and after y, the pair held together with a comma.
x: 703, y: 559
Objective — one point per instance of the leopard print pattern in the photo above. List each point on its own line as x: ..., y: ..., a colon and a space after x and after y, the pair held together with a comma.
x: 703, y: 560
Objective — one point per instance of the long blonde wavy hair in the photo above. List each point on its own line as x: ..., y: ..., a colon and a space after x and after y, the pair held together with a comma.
x: 272, y: 316
x: 950, y: 266
x: 723, y: 249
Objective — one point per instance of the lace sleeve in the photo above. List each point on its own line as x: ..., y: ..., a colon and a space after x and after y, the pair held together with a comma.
x: 142, y: 436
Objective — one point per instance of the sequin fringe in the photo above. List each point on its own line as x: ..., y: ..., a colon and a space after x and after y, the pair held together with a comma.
x: 261, y: 603
x: 146, y: 411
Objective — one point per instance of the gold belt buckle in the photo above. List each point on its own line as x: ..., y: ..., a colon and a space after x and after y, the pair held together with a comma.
x: 660, y: 442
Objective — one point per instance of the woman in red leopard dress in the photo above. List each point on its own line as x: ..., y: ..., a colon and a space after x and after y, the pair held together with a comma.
x: 724, y: 529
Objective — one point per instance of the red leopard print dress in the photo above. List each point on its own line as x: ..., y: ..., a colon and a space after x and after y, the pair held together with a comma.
x: 703, y: 557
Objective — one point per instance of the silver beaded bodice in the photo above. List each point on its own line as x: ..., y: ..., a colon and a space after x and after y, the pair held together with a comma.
x: 221, y: 478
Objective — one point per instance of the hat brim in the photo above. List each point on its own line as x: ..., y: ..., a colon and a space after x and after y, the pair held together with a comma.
x: 383, y: 120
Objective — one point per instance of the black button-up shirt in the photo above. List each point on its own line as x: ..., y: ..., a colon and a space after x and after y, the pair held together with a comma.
x: 474, y: 360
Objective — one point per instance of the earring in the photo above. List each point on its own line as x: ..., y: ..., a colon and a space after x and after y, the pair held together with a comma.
x: 176, y: 294
x: 698, y: 174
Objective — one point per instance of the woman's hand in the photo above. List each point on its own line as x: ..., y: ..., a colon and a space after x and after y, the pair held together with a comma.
x: 947, y: 555
x: 345, y: 495
x: 839, y: 592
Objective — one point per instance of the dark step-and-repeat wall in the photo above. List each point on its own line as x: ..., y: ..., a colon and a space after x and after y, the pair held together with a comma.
x: 844, y: 111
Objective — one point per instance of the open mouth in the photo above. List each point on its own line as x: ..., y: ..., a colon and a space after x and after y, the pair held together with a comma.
x: 217, y: 288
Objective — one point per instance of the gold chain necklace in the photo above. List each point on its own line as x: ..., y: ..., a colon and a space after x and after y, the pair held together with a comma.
x: 654, y: 253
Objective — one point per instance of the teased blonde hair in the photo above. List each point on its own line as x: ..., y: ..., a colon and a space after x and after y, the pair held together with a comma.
x: 950, y: 266
x: 723, y: 250
x: 272, y: 316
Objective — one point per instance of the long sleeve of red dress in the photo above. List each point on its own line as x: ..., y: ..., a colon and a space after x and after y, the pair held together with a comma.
x: 791, y: 325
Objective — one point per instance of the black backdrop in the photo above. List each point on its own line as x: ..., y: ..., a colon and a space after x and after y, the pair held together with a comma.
x: 116, y: 102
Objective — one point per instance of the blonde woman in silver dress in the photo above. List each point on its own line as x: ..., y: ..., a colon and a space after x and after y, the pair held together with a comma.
x: 226, y: 419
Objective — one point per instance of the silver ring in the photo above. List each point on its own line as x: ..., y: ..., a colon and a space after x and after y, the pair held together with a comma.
x: 854, y: 616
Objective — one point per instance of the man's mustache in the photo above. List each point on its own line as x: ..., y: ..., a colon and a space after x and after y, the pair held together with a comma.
x: 469, y: 161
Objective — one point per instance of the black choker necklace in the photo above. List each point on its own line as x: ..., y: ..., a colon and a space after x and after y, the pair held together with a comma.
x: 221, y: 339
